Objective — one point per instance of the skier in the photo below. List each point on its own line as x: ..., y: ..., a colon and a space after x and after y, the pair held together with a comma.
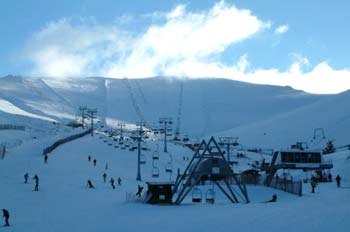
x: 26, y: 176
x: 45, y: 158
x: 112, y: 183
x: 95, y: 162
x: 274, y: 198
x: 36, y: 178
x: 139, y: 191
x: 90, y: 185
x: 104, y: 177
x: 119, y: 181
x: 313, y: 185
x: 329, y: 177
x: 89, y: 158
x: 6, y: 215
x: 338, y: 179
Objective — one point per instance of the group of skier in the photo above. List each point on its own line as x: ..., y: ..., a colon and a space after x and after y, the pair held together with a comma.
x: 94, y: 162
x: 329, y: 177
x: 104, y: 176
x: 36, y: 178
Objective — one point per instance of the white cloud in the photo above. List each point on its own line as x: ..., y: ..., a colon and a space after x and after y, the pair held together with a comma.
x: 282, y: 29
x: 182, y: 43
x: 63, y: 48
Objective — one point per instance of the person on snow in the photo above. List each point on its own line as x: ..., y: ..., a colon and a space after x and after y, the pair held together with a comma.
x: 338, y: 179
x: 36, y: 178
x: 45, y: 158
x: 119, y: 181
x: 274, y: 198
x: 26, y: 177
x: 139, y: 191
x: 313, y: 185
x: 95, y: 161
x: 6, y: 215
x: 90, y: 185
x: 329, y: 177
x: 89, y: 158
x: 112, y: 183
x: 104, y: 177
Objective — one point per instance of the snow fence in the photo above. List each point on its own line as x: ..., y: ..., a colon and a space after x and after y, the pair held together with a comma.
x: 65, y: 140
x: 290, y: 186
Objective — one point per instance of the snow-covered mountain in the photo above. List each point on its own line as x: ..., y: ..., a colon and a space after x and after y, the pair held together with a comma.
x: 261, y: 115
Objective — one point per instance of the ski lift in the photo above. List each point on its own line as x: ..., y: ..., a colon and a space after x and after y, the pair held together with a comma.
x: 169, y: 167
x: 115, y: 146
x: 155, y: 156
x: 210, y: 196
x: 123, y: 148
x: 155, y: 172
x: 196, y: 195
x: 142, y: 159
x: 109, y: 144
x: 105, y: 141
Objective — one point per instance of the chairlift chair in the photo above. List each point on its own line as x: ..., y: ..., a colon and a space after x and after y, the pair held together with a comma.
x: 210, y: 196
x: 155, y: 172
x: 196, y: 195
x: 142, y: 159
x: 169, y: 167
x: 155, y: 156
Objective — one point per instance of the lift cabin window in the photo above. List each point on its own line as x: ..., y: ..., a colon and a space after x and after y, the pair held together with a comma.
x: 301, y: 157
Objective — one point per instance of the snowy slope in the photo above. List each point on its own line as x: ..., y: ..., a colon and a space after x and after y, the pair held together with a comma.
x: 65, y: 204
x: 209, y: 105
x: 332, y: 114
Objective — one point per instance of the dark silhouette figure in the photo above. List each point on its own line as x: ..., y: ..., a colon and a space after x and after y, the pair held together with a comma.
x: 274, y: 198
x: 26, y: 177
x: 112, y: 183
x: 90, y: 185
x: 313, y: 185
x: 95, y: 162
x: 104, y: 177
x: 338, y: 179
x: 119, y: 181
x: 36, y: 178
x: 45, y: 158
x: 139, y: 190
x: 329, y: 177
x: 6, y: 215
x: 89, y: 158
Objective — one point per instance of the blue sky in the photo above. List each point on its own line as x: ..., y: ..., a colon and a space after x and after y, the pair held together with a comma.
x: 303, y: 44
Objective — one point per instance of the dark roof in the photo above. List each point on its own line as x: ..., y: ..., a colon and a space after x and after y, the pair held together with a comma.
x: 161, y: 183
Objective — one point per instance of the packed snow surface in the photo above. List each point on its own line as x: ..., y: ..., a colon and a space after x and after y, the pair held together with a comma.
x: 64, y: 203
x: 261, y: 116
